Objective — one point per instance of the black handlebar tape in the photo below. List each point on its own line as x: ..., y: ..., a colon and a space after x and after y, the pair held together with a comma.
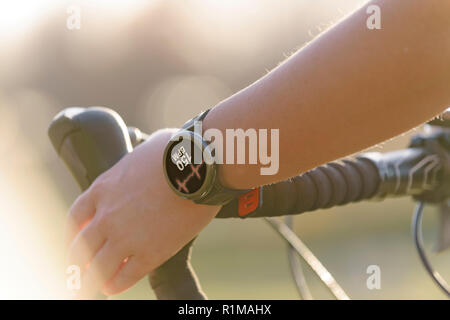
x: 334, y: 184
x: 89, y: 141
x: 411, y: 171
x: 175, y: 280
x: 92, y: 140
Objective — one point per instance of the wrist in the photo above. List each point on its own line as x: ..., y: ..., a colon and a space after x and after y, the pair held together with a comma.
x: 191, y: 169
x: 162, y: 138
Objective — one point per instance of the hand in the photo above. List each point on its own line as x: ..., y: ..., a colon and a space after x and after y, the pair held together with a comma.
x: 129, y: 221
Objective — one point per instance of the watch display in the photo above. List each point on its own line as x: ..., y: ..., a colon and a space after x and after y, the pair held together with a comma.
x: 186, y: 175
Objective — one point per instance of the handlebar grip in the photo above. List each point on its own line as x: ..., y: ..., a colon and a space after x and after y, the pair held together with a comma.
x: 176, y: 280
x: 336, y: 183
x: 332, y: 185
x: 412, y: 171
x: 90, y: 141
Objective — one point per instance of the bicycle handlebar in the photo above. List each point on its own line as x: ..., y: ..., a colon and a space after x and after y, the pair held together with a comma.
x: 92, y: 140
x: 372, y: 175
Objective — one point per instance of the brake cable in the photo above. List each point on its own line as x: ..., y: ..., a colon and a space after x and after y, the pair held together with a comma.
x: 296, y: 266
x: 296, y: 245
x: 416, y: 229
x: 294, y: 241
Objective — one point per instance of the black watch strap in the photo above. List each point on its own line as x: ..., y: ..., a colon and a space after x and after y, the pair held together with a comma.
x: 219, y: 195
x: 189, y: 125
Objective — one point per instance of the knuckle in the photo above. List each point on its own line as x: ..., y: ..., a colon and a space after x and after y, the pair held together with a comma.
x: 100, y: 184
x: 73, y: 211
x: 96, y: 187
x: 105, y: 225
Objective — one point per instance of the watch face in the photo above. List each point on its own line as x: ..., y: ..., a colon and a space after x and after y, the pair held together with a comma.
x: 183, y: 172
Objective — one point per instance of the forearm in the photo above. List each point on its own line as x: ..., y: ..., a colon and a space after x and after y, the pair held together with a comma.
x: 347, y: 90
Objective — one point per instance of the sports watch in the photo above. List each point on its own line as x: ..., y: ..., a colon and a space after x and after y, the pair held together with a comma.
x: 190, y: 167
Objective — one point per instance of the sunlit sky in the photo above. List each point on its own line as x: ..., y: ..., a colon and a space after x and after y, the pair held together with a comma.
x: 18, y: 16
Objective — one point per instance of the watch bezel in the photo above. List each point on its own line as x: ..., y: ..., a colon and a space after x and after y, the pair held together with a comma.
x: 208, y: 183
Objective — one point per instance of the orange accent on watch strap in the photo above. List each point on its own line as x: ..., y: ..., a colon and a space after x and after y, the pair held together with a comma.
x: 248, y: 202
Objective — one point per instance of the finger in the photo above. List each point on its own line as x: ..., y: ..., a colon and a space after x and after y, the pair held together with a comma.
x: 129, y: 273
x: 85, y: 245
x: 101, y: 269
x: 82, y: 210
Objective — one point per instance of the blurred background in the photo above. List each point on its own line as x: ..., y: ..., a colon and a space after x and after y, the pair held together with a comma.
x: 158, y: 63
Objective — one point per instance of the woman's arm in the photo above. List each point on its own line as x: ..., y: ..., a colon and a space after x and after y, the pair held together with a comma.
x: 347, y: 90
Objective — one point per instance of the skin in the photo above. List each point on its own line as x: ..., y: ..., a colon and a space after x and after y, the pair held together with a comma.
x: 345, y: 91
